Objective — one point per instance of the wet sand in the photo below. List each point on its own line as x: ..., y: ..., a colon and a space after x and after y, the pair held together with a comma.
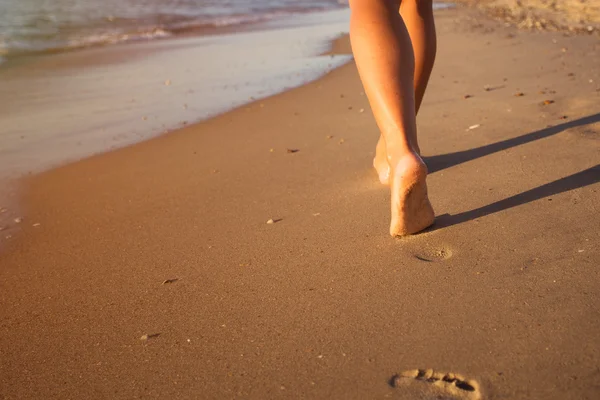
x: 153, y: 272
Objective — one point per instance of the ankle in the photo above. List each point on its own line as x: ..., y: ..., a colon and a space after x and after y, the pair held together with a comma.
x: 399, y: 147
x: 400, y: 154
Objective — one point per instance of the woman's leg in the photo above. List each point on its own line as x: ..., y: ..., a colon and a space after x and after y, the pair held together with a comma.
x: 418, y: 18
x: 384, y: 56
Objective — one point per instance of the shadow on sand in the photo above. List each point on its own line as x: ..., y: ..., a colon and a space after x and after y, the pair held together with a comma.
x: 438, y: 163
x: 578, y: 180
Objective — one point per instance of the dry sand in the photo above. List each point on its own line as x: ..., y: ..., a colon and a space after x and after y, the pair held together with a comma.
x: 323, y: 303
x: 564, y: 15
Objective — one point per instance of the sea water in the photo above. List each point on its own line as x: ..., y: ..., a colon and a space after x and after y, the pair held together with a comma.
x: 49, y: 25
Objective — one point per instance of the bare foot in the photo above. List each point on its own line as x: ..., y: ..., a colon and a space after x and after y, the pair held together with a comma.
x: 380, y: 162
x: 411, y: 209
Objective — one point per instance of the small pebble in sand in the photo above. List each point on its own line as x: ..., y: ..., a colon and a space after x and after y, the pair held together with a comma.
x: 3, y: 210
x: 271, y: 150
x: 271, y: 222
x: 362, y: 110
x: 292, y: 150
x: 547, y: 102
x: 350, y: 108
x: 329, y: 136
x: 168, y: 82
x: 150, y: 336
x: 473, y: 127
x: 564, y: 117
x: 36, y: 225
x: 467, y: 96
x: 173, y: 280
x: 519, y: 94
x: 2, y: 228
x: 18, y: 220
x: 342, y: 141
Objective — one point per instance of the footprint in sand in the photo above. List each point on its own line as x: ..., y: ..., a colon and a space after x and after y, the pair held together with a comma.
x: 440, y: 385
x: 433, y: 254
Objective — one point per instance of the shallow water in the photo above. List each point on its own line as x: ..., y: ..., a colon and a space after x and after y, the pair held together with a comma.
x: 49, y: 25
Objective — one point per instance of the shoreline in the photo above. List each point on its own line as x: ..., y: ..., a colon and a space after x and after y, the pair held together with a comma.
x: 15, y: 59
x: 153, y: 271
x: 291, y: 54
x: 10, y: 207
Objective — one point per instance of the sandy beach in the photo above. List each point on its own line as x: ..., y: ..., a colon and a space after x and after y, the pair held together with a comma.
x: 580, y: 16
x: 151, y: 271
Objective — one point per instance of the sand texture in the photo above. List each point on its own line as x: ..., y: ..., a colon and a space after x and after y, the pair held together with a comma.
x: 152, y: 272
x: 580, y: 16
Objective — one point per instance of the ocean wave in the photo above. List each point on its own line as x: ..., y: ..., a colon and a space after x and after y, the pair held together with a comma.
x: 19, y: 48
x: 108, y: 38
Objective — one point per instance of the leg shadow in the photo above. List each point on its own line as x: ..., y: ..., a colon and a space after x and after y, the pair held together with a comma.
x: 578, y: 180
x: 438, y: 163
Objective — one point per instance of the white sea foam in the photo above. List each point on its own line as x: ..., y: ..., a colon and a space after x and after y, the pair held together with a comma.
x: 108, y: 38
